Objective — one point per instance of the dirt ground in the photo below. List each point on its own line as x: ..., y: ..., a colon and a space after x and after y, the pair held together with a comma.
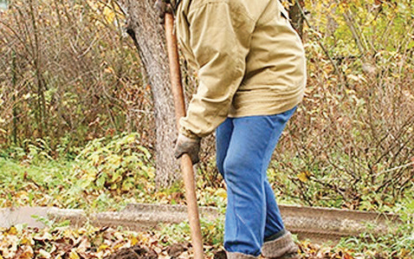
x: 135, y: 252
x: 138, y: 252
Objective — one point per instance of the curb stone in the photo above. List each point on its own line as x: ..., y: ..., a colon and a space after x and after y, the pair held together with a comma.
x: 317, y: 224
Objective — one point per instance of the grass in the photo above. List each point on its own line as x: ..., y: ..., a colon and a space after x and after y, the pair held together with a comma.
x: 64, y: 184
x: 106, y: 175
x: 25, y: 184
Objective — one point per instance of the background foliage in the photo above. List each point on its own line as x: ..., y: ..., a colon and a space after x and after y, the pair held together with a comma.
x: 351, y: 143
x: 68, y: 74
x: 77, y: 131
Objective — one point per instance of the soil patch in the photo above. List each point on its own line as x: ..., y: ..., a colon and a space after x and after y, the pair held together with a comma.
x: 173, y: 251
x: 135, y: 252
x: 139, y: 252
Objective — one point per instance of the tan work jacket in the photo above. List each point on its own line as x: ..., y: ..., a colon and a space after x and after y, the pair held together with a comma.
x: 249, y: 60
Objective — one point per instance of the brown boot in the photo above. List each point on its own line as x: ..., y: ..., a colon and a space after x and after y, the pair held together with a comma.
x: 281, y: 248
x: 231, y: 255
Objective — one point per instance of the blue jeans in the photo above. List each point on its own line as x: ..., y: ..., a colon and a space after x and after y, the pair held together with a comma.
x: 244, y: 149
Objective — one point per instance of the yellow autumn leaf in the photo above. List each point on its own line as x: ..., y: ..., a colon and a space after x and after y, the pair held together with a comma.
x: 109, y: 14
x: 304, y: 176
x: 73, y: 255
x: 142, y: 238
x: 404, y: 252
x: 118, y: 246
x: 211, y: 227
x: 221, y: 193
x: 103, y: 247
x: 134, y: 241
x: 12, y: 231
x: 26, y: 241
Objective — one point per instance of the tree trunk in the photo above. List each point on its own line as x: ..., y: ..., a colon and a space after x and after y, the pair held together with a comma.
x: 148, y: 35
x: 296, y: 16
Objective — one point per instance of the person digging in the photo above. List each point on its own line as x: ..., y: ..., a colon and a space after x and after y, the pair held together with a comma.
x: 252, y: 75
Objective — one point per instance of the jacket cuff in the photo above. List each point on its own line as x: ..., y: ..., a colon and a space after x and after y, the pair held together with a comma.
x: 188, y: 133
x: 279, y: 247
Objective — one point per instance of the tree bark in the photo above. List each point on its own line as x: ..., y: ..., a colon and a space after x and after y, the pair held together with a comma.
x: 296, y: 16
x: 148, y: 35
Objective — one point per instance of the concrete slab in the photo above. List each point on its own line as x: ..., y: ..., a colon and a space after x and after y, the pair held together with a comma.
x: 23, y: 215
x: 317, y: 224
x: 133, y: 216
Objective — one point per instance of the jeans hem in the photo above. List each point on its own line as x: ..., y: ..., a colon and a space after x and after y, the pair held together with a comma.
x: 276, y: 235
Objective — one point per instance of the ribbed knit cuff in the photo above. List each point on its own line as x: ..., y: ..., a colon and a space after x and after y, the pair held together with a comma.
x: 233, y: 255
x: 279, y: 247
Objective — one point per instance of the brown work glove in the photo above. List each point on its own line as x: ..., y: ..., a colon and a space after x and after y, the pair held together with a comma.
x: 186, y: 145
x: 163, y: 7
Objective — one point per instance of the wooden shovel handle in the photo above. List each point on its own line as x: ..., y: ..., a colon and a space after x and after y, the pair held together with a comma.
x: 186, y: 164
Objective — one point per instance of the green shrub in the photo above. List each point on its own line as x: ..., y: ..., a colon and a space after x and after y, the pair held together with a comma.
x: 117, y: 164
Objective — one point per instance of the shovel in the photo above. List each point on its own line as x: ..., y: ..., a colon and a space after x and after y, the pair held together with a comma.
x: 186, y: 164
